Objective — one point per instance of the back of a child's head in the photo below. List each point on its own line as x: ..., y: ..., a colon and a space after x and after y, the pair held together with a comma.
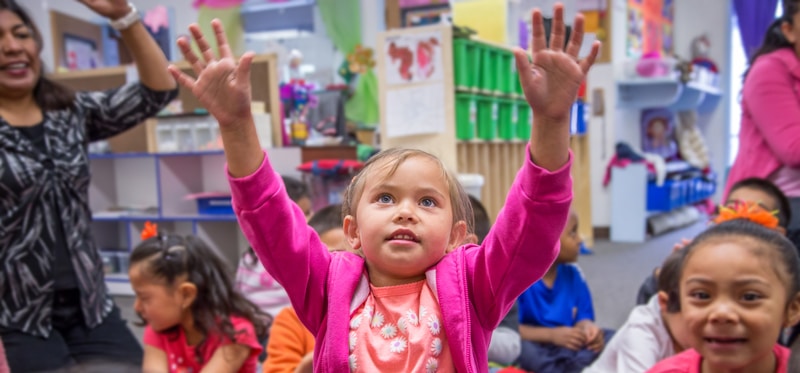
x: 384, y: 165
x: 482, y: 222
x: 761, y: 242
x: 327, y: 218
x: 327, y: 222
x: 170, y: 258
x: 295, y: 188
x: 669, y: 277
x: 779, y: 200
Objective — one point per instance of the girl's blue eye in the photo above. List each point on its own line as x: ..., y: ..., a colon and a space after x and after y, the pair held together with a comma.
x: 427, y: 202
x: 385, y: 198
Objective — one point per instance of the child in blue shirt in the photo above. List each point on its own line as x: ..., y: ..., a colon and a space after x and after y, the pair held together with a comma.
x: 557, y: 317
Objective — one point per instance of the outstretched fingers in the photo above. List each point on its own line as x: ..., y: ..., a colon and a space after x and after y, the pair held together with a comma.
x: 576, y: 38
x: 222, y: 41
x: 538, y: 39
x: 202, y: 43
x: 588, y: 61
x: 181, y: 77
x: 557, y: 28
x: 189, y: 56
x: 243, y: 70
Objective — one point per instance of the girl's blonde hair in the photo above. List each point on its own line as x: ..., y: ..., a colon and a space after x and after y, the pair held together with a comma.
x: 386, y: 163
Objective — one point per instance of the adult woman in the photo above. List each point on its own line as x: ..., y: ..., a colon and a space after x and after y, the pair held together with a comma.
x: 769, y: 139
x: 55, y: 311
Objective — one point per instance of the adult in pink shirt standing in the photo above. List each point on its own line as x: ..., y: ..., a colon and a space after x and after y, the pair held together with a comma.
x: 769, y: 139
x: 415, y: 299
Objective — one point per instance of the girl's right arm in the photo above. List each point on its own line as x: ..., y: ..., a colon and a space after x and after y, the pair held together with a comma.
x: 155, y: 360
x: 272, y: 223
x: 223, y: 87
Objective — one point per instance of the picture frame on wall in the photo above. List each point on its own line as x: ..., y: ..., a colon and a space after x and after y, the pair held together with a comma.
x: 80, y: 53
x: 426, y: 15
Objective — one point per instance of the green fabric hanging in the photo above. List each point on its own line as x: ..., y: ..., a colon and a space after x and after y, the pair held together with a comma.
x: 342, y: 19
x: 232, y: 22
x: 363, y: 106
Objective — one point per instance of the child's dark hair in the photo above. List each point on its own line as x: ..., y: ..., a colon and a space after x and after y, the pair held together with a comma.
x: 774, y: 39
x: 169, y: 257
x: 785, y: 261
x: 669, y: 279
x: 482, y: 223
x: 327, y: 218
x: 296, y: 189
x: 766, y: 186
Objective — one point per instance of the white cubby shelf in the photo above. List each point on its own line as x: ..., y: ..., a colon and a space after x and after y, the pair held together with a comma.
x: 130, y: 189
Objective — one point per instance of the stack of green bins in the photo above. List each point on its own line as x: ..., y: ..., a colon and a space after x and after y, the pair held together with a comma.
x: 506, y: 126
x: 487, y: 118
x: 524, y: 118
x: 467, y: 61
x: 466, y: 116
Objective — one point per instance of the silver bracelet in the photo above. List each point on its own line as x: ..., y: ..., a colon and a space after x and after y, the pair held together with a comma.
x: 126, y: 20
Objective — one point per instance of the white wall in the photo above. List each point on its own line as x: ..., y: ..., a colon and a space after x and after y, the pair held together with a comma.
x: 692, y: 18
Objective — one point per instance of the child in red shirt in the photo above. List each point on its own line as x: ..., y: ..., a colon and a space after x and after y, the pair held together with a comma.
x: 195, y: 319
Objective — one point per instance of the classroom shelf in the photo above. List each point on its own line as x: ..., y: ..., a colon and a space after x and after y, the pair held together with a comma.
x: 669, y: 93
x: 123, y: 184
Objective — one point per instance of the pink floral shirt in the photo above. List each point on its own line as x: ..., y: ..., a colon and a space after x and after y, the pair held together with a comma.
x: 399, y: 328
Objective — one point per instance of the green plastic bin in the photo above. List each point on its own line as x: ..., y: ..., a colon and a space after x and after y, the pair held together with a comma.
x: 506, y: 126
x: 488, y: 68
x: 524, y: 120
x: 487, y: 118
x: 466, y: 58
x: 466, y: 116
x: 504, y: 72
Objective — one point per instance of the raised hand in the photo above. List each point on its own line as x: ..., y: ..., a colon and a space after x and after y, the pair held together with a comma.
x: 552, y: 76
x: 222, y: 84
x: 111, y: 9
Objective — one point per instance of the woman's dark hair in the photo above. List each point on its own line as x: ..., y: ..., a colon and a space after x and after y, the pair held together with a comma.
x: 766, y: 186
x: 774, y: 39
x: 169, y: 256
x: 784, y: 256
x: 669, y: 279
x: 48, y: 94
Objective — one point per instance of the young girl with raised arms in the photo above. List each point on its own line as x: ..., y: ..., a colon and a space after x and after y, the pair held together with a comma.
x: 739, y: 287
x: 195, y: 320
x: 409, y: 297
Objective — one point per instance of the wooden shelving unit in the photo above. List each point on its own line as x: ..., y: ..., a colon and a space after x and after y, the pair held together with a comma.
x: 157, y: 184
x: 263, y: 76
x: 497, y: 160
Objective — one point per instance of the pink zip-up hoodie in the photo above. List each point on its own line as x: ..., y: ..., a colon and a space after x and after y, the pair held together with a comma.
x: 475, y: 285
x: 769, y: 137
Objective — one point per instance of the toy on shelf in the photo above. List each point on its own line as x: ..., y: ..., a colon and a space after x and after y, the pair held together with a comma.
x: 296, y: 97
x: 328, y: 178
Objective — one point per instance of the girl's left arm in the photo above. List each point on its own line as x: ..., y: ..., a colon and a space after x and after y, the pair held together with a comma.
x: 227, y: 359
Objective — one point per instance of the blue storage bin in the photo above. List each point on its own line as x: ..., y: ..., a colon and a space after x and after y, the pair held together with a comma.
x: 220, y: 205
